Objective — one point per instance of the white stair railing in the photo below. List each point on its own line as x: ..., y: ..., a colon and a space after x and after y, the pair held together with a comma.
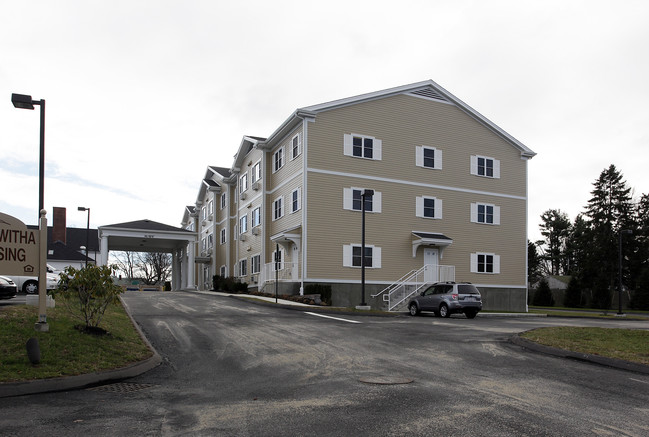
x: 399, y: 292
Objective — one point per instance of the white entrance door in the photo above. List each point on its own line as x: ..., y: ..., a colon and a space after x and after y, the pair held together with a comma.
x: 430, y: 264
x: 295, y: 259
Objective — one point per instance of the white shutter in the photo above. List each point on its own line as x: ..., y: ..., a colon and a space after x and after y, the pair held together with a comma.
x: 474, y: 213
x: 438, y: 159
x: 376, y: 257
x: 496, y: 169
x: 348, y: 145
x: 474, y: 263
x: 496, y: 215
x: 474, y: 164
x: 496, y: 263
x: 348, y: 198
x: 378, y: 149
x: 419, y: 156
x: 419, y: 208
x: 299, y: 198
x: 376, y: 202
x: 438, y: 208
x: 347, y: 255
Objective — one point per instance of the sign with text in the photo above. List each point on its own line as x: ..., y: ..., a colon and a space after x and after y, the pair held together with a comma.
x: 18, y: 247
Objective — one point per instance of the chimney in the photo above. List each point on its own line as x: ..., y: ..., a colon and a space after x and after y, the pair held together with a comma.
x: 58, y: 225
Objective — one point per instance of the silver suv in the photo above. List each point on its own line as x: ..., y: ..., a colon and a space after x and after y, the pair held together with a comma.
x: 446, y: 298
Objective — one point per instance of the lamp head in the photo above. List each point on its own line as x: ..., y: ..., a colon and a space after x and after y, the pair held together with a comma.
x: 22, y: 101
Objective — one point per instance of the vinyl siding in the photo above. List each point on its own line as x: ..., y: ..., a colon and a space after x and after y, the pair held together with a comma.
x: 403, y: 123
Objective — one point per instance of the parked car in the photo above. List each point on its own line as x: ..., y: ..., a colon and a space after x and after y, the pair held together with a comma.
x: 8, y: 288
x: 29, y: 284
x: 446, y: 298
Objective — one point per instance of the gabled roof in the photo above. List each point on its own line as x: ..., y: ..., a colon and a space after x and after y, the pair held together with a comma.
x: 427, y: 89
x: 247, y: 144
x: 145, y: 224
x: 222, y: 171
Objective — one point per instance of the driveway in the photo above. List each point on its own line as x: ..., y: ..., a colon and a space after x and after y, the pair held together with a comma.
x: 233, y: 367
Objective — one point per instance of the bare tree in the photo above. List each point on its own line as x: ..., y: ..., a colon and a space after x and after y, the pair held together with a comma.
x: 126, y: 263
x: 149, y: 267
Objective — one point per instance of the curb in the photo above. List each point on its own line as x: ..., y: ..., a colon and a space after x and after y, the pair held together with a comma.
x: 578, y: 356
x: 11, y: 389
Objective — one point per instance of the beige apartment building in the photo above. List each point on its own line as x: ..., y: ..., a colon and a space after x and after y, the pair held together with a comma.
x: 449, y: 203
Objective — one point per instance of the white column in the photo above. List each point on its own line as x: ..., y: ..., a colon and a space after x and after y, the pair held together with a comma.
x: 191, y: 267
x: 103, y: 251
x: 175, y: 270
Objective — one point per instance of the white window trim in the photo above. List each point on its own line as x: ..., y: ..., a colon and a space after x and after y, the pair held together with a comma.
x: 243, y: 220
x: 299, y: 200
x: 496, y: 263
x: 348, y: 252
x: 280, y: 199
x: 255, y: 172
x: 243, y: 182
x: 419, y: 157
x: 348, y: 146
x: 299, y: 146
x: 252, y: 219
x: 252, y: 264
x: 224, y: 201
x: 419, y: 207
x: 348, y: 200
x: 474, y: 213
x: 280, y: 150
x: 224, y: 236
x: 242, y: 261
x: 474, y: 166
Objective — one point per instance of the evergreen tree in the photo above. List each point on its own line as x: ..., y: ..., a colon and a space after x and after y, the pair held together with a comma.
x: 555, y: 227
x: 640, y: 299
x: 533, y: 263
x: 577, y: 247
x: 572, y: 298
x: 609, y: 210
x: 543, y: 295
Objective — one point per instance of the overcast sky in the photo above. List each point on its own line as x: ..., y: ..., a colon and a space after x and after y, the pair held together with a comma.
x: 143, y: 95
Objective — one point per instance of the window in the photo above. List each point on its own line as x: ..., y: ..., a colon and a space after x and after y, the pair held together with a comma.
x: 352, y: 200
x: 277, y: 260
x: 352, y: 256
x: 243, y: 267
x: 204, y: 213
x: 210, y: 241
x: 256, y: 216
x: 295, y: 146
x: 485, y: 213
x: 203, y: 243
x: 277, y: 208
x: 428, y: 157
x: 223, y: 200
x: 223, y: 236
x: 296, y: 200
x: 256, y: 172
x: 210, y: 207
x: 278, y: 159
x: 428, y: 207
x: 362, y: 146
x: 255, y: 264
x: 485, y: 263
x: 484, y: 166
x: 243, y: 183
x: 224, y: 271
x: 243, y: 223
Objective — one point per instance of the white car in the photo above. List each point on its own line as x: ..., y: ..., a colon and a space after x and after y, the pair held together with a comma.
x: 29, y: 284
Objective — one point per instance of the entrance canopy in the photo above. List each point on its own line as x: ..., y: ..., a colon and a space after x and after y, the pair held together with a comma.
x: 429, y: 239
x: 144, y: 236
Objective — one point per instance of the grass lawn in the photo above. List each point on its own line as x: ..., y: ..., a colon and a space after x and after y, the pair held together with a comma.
x: 625, y: 344
x: 66, y: 350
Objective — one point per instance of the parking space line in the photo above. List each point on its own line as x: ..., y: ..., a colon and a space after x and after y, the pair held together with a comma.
x: 329, y: 317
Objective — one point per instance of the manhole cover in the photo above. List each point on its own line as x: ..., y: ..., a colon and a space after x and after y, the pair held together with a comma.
x: 386, y: 380
x: 121, y: 387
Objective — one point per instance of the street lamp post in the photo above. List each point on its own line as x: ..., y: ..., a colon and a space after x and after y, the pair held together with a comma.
x: 23, y: 101
x: 81, y: 208
x: 619, y: 290
x: 364, y: 195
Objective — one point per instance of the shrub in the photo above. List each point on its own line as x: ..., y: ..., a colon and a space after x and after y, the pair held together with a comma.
x: 602, y: 296
x: 88, y: 291
x: 219, y: 283
x: 572, y: 298
x: 543, y: 295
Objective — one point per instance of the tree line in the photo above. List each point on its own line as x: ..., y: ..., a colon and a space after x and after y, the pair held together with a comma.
x: 613, y: 226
